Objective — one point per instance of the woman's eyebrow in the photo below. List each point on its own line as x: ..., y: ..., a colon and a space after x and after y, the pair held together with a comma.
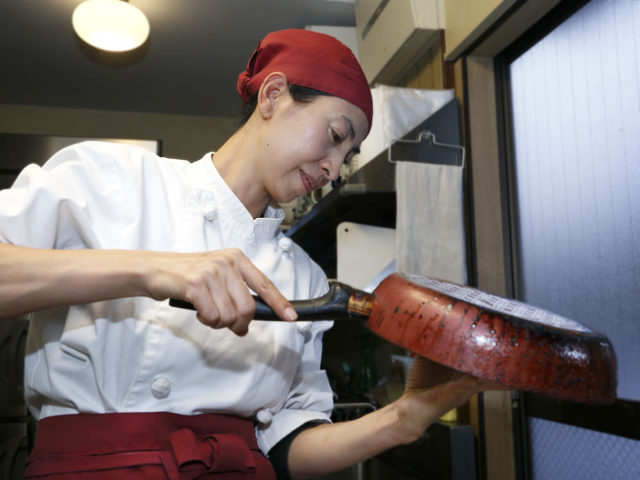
x: 352, y: 132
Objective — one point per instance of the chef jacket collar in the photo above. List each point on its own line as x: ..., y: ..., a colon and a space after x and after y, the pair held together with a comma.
x: 206, y: 176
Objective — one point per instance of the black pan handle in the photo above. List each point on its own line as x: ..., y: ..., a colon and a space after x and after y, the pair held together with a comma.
x: 331, y: 306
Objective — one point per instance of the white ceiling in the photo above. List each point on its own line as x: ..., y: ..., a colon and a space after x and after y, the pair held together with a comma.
x: 196, y: 50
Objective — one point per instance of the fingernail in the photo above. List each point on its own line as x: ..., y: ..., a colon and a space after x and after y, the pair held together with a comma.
x: 290, y: 313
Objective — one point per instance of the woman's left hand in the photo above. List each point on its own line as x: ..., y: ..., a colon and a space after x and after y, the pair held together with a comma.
x: 431, y: 390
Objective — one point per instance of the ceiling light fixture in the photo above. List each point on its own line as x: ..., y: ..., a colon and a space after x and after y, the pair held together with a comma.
x: 111, y: 25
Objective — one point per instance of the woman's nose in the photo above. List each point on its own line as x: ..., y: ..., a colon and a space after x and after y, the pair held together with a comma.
x: 330, y: 167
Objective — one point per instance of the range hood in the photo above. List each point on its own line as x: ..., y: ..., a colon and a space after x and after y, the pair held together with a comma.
x: 391, y: 35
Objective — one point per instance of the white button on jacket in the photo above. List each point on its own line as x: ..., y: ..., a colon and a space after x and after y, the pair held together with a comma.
x: 286, y: 244
x: 211, y: 215
x: 160, y: 387
x: 264, y: 417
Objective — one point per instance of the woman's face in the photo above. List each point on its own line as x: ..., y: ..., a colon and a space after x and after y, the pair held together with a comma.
x: 306, y: 143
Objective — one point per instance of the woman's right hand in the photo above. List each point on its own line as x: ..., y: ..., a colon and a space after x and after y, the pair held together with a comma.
x: 217, y: 284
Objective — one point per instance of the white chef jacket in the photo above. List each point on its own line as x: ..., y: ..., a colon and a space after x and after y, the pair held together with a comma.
x: 140, y: 355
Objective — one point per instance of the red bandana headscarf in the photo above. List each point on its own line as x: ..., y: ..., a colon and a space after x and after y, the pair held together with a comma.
x: 309, y: 59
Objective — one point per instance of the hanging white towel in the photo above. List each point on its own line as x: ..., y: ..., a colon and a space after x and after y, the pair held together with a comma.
x: 430, y: 235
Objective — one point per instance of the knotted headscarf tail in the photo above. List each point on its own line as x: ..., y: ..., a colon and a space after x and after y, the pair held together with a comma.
x: 309, y: 59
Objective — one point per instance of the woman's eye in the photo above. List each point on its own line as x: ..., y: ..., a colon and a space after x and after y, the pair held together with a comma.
x: 335, y: 136
x: 349, y: 157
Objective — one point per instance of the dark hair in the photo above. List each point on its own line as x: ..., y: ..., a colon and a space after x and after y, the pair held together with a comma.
x: 298, y: 93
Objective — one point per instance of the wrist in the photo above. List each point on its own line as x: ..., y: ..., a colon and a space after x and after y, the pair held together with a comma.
x: 118, y: 273
x: 403, y: 428
x: 151, y: 274
x: 414, y: 416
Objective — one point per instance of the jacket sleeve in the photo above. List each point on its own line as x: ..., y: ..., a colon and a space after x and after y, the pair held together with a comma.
x: 62, y: 204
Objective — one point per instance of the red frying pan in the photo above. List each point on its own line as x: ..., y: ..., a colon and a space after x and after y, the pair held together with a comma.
x: 491, y: 337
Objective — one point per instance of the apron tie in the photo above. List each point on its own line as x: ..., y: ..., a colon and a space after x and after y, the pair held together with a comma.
x: 224, y: 452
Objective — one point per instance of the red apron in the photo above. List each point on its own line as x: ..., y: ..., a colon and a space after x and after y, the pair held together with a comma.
x: 153, y: 445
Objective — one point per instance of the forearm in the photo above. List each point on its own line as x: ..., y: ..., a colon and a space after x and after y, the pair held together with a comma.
x: 34, y: 279
x: 330, y: 447
x: 217, y: 282
x: 431, y: 391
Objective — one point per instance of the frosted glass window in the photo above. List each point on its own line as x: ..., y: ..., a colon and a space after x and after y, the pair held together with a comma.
x: 576, y: 111
x: 560, y: 451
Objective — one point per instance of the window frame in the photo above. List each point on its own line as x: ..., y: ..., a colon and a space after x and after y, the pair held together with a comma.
x: 620, y: 417
x: 482, y: 84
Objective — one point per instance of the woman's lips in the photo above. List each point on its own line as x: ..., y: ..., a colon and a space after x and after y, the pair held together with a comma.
x: 307, y: 182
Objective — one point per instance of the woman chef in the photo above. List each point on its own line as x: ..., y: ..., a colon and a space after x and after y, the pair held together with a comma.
x: 96, y: 240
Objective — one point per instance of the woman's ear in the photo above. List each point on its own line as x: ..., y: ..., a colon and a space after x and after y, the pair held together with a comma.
x: 273, y: 87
